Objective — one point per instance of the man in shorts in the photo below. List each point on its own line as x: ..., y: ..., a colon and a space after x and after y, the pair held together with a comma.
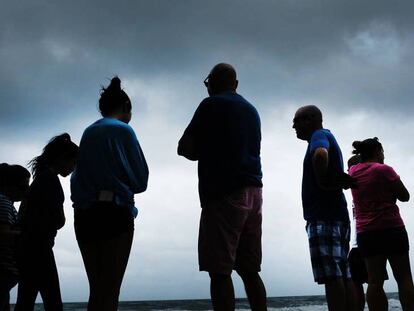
x: 224, y: 137
x: 325, y: 208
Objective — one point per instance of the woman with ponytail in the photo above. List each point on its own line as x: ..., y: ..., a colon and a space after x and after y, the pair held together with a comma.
x: 381, y: 234
x: 111, y: 168
x: 40, y: 217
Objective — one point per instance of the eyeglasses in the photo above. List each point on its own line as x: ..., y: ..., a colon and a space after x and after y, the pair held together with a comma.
x: 206, y: 80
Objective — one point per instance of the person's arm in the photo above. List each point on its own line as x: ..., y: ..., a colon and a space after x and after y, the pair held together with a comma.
x: 320, y: 162
x: 325, y: 180
x: 60, y: 218
x: 44, y: 211
x: 188, y: 144
x: 187, y: 148
x: 400, y: 191
x: 329, y: 181
x: 135, y: 164
x: 397, y: 187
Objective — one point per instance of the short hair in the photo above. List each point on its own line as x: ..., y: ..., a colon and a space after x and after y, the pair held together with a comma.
x: 113, y: 99
x: 12, y: 175
x: 223, y: 76
x: 366, y: 148
x: 312, y: 112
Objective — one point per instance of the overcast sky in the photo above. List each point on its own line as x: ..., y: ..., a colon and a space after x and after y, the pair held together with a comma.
x: 351, y: 58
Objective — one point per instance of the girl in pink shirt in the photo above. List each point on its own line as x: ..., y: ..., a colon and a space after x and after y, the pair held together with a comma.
x: 381, y: 233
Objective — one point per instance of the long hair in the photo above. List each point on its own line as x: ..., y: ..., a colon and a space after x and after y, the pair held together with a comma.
x: 57, y: 147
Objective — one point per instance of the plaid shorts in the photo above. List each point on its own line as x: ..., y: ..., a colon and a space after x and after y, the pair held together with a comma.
x: 329, y: 247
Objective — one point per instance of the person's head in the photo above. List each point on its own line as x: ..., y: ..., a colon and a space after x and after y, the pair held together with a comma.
x: 307, y: 120
x: 369, y: 150
x: 355, y: 159
x: 222, y: 78
x: 114, y: 102
x: 14, y: 181
x: 59, y: 155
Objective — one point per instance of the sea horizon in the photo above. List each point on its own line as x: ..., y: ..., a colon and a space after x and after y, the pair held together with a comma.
x: 285, y: 303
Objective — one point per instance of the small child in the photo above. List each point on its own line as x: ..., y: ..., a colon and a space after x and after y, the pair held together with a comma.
x: 14, y: 182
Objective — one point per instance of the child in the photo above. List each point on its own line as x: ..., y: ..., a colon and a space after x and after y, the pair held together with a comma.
x: 40, y: 217
x: 14, y: 182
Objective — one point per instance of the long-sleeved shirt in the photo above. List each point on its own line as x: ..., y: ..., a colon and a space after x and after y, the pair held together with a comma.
x: 110, y: 159
x: 41, y: 213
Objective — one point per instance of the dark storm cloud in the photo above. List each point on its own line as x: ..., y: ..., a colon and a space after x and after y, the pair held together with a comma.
x: 55, y: 55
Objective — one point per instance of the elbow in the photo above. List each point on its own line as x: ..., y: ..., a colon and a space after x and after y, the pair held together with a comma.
x: 405, y: 197
x: 187, y: 150
x: 141, y: 187
x: 188, y: 155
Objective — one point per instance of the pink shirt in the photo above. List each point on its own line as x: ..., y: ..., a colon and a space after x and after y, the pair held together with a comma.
x: 375, y: 205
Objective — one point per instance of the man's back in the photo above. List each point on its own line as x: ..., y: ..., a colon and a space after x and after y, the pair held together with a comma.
x: 226, y: 130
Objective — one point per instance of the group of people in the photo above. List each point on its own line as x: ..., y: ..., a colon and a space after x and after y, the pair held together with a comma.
x: 108, y: 168
x: 224, y: 136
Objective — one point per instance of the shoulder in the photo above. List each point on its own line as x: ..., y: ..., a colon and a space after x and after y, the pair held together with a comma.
x: 321, y: 135
x: 109, y: 127
x: 386, y: 171
x: 44, y: 180
x: 320, y: 139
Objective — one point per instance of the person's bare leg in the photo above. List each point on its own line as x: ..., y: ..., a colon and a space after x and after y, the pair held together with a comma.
x: 255, y: 290
x: 222, y: 292
x: 359, y: 296
x: 351, y: 295
x: 376, y: 298
x: 400, y: 265
x: 336, y: 295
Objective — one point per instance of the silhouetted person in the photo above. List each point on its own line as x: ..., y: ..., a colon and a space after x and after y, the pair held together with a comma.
x: 357, y: 265
x: 14, y: 182
x: 381, y: 233
x: 325, y: 208
x: 111, y: 168
x: 41, y: 215
x: 224, y: 137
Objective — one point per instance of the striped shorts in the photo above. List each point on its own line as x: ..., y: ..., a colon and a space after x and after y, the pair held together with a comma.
x: 329, y: 247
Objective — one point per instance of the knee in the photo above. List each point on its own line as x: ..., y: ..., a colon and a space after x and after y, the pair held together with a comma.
x: 247, y: 275
x: 219, y: 276
x: 407, y: 290
x: 375, y: 286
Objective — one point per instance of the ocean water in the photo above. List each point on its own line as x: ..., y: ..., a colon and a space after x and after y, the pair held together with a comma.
x: 295, y: 303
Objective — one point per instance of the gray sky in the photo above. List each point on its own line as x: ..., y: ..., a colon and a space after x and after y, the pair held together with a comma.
x: 351, y: 58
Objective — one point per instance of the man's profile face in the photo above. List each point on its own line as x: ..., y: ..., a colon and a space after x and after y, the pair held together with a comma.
x: 302, y: 125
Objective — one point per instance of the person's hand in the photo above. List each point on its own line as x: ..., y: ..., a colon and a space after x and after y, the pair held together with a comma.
x: 347, y: 181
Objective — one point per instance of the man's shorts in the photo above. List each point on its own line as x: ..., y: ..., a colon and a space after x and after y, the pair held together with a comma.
x: 329, y: 247
x: 230, y: 233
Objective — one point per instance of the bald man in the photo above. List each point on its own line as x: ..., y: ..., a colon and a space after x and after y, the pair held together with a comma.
x: 224, y: 137
x: 325, y: 209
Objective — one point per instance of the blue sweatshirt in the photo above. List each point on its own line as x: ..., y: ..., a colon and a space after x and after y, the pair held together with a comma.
x: 110, y: 159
